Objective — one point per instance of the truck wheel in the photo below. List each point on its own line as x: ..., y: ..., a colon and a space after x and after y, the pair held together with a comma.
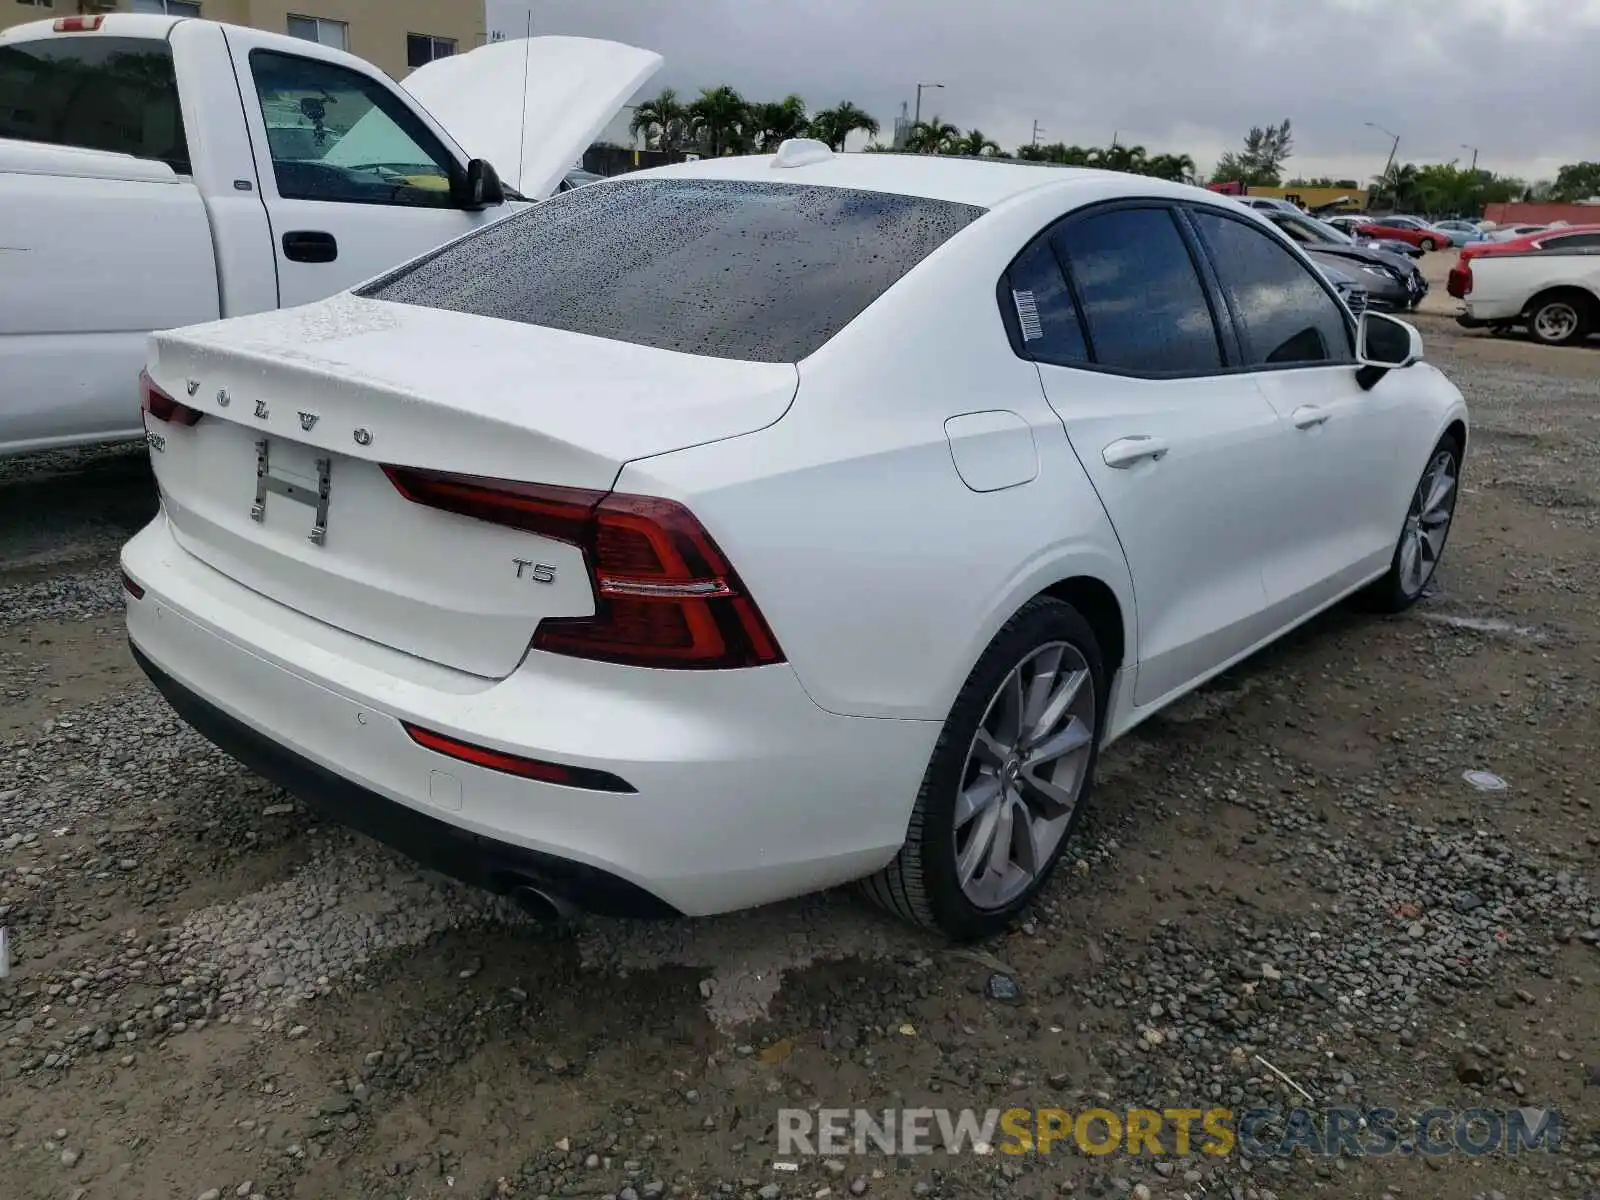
x: 1559, y: 319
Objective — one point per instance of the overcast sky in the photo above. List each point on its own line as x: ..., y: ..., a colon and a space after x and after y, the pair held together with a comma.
x: 1519, y: 79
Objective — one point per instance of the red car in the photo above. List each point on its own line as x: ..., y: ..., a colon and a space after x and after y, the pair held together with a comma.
x: 1572, y: 237
x: 1405, y: 229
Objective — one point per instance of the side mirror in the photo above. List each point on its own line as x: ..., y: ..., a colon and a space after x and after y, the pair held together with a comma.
x: 479, y: 187
x: 1384, y: 344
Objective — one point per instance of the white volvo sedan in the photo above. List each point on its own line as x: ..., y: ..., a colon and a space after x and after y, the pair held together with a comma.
x: 739, y: 529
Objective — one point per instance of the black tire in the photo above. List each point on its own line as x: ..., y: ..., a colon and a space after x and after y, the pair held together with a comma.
x: 921, y: 884
x: 1389, y: 594
x: 1566, y: 332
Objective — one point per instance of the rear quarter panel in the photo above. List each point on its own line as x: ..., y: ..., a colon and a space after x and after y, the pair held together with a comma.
x: 87, y: 268
x: 882, y: 574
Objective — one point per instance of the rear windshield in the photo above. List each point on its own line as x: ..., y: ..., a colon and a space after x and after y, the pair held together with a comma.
x: 763, y: 272
x: 95, y: 93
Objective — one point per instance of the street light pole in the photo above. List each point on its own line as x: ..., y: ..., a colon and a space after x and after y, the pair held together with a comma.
x: 1474, y: 150
x: 917, y: 118
x: 1393, y: 150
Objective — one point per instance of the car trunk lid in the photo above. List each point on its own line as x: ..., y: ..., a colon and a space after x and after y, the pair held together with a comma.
x: 280, y: 484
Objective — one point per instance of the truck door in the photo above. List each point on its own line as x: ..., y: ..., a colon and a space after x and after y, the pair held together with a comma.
x: 355, y: 177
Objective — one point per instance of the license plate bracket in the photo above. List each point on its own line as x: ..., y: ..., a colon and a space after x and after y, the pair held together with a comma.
x: 315, y: 497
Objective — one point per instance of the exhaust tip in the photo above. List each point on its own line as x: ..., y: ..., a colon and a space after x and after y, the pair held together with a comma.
x: 542, y: 906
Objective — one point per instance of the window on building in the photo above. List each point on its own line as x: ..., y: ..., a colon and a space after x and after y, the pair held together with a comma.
x: 170, y: 8
x: 37, y: 3
x: 335, y: 34
x: 424, y: 48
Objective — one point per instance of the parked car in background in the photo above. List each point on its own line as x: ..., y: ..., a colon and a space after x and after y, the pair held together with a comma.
x: 1553, y: 293
x: 1392, y: 281
x: 1269, y: 204
x: 1351, y: 290
x: 158, y: 171
x: 1508, y: 233
x: 1568, y: 237
x: 1350, y: 224
x: 1413, y: 230
x: 1462, y: 233
x: 644, y: 589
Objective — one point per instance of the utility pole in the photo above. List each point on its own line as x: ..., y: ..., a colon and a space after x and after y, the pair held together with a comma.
x: 917, y: 120
x: 1037, y: 130
x: 1393, y: 150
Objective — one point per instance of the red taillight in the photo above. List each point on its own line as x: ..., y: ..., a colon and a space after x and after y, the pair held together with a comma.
x: 515, y: 764
x: 78, y: 24
x: 163, y: 407
x: 664, y: 594
x: 132, y: 587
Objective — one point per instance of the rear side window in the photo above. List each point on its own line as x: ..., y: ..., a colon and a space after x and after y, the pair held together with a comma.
x: 94, y: 93
x: 763, y: 272
x: 1573, y: 241
x: 1145, y: 306
x: 1046, y: 317
x: 1285, y: 316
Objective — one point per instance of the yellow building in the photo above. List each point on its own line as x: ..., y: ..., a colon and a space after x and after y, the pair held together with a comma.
x: 397, y: 35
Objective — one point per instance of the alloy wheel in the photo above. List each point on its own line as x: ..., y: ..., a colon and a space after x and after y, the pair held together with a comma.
x: 1433, y: 507
x: 1023, y: 775
x: 1556, y: 321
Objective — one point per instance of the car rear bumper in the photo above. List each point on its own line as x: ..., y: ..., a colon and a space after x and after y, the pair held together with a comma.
x: 746, y: 791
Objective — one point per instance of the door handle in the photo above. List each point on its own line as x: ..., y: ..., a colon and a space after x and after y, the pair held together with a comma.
x: 1124, y: 452
x: 310, y: 246
x: 1308, y: 416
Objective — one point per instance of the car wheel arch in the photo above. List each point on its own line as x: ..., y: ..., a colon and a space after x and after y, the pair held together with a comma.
x: 1586, y: 301
x: 1100, y: 589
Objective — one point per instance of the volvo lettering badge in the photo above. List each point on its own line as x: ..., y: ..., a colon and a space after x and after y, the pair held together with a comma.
x: 261, y: 410
x: 307, y: 420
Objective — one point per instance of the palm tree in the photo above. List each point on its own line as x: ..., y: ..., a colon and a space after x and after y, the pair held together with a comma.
x: 976, y: 144
x: 933, y: 136
x: 1121, y: 158
x: 1399, y: 184
x: 720, y: 118
x: 834, y: 125
x: 663, y: 121
x: 774, y: 123
x: 1177, y: 167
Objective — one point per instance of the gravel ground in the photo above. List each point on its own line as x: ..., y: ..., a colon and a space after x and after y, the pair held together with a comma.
x: 214, y: 995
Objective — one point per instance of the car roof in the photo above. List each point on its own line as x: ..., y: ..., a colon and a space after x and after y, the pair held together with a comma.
x: 985, y: 183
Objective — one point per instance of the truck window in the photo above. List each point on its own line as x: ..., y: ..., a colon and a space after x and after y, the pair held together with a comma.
x: 95, y: 93
x: 337, y: 135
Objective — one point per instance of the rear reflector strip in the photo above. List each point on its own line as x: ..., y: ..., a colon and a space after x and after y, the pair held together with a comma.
x: 132, y: 588
x: 515, y: 764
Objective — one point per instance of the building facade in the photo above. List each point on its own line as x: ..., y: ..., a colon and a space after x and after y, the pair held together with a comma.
x: 397, y: 35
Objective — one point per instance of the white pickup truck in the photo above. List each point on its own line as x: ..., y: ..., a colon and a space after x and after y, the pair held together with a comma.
x: 158, y: 172
x: 1554, y: 293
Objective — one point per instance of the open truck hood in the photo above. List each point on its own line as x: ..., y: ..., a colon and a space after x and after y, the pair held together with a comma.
x: 532, y: 106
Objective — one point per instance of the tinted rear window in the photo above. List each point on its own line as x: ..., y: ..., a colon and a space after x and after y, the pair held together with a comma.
x: 95, y: 93
x: 764, y: 272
